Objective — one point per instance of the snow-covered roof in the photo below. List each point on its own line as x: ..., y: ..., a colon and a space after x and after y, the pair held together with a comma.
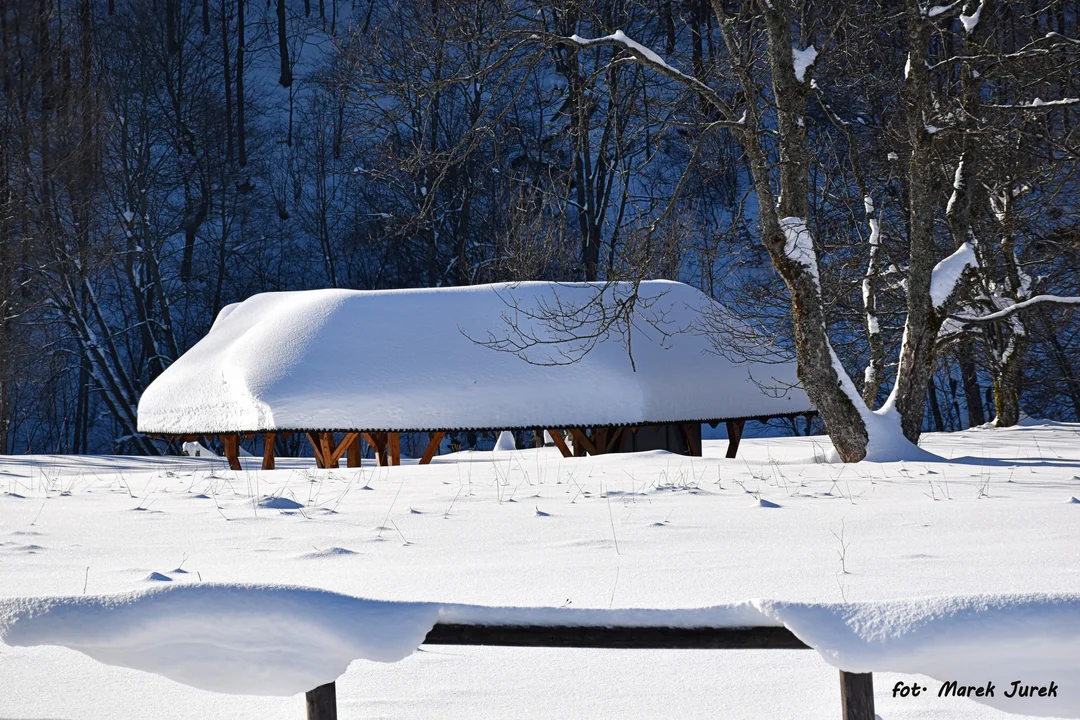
x: 481, y: 357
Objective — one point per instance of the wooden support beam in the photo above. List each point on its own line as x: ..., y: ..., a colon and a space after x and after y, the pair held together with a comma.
x: 268, y: 450
x: 393, y: 450
x: 231, y: 444
x: 856, y: 696
x: 313, y: 438
x: 615, y: 442
x: 582, y: 443
x: 557, y: 438
x: 734, y: 433
x: 322, y: 702
x: 432, y: 447
x: 342, y: 446
x: 692, y: 444
x: 354, y: 458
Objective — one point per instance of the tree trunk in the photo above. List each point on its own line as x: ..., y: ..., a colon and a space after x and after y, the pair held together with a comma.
x: 1008, y: 382
x: 283, y: 46
x: 1063, y: 361
x: 822, y: 377
x: 241, y: 135
x: 970, y: 379
x: 923, y: 321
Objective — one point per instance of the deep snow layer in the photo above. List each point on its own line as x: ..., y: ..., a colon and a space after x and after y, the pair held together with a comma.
x: 529, y: 528
x: 435, y: 359
x: 238, y: 639
x: 271, y: 640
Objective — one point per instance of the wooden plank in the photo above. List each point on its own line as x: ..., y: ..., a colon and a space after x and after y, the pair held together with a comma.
x: 268, y: 450
x: 231, y: 444
x: 734, y: 433
x: 316, y: 446
x: 432, y: 447
x: 626, y: 637
x: 856, y: 696
x: 691, y: 441
x: 354, y: 458
x: 342, y: 446
x: 322, y: 702
x: 557, y: 438
x: 326, y: 442
x: 582, y: 441
x: 393, y: 450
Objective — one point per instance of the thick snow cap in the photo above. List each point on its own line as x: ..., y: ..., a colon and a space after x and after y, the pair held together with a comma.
x: 498, y: 356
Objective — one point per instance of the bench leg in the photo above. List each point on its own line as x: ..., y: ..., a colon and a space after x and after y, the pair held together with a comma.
x: 857, y: 696
x: 322, y: 702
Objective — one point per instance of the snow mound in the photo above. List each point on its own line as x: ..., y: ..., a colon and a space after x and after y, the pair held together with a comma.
x: 276, y: 502
x: 237, y: 639
x: 330, y: 552
x: 506, y: 442
x: 972, y: 640
x: 451, y: 359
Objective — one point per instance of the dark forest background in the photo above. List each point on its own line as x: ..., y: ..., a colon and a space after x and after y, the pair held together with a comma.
x: 160, y: 159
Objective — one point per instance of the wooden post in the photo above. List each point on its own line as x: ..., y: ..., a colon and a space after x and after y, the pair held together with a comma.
x: 393, y: 451
x: 432, y: 448
x: 734, y: 433
x: 268, y: 450
x: 326, y: 444
x: 354, y: 458
x: 599, y: 440
x: 231, y: 444
x: 692, y: 447
x: 377, y: 441
x: 856, y: 696
x: 322, y: 702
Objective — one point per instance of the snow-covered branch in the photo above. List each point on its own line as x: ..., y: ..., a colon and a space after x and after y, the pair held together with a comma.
x: 651, y: 59
x: 1006, y: 312
x: 1038, y: 104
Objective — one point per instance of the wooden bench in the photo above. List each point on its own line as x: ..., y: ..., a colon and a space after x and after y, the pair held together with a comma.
x: 856, y: 689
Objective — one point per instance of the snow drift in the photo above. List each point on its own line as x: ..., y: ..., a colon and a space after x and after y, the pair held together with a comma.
x: 272, y: 640
x: 423, y: 360
x: 973, y: 640
x: 244, y: 640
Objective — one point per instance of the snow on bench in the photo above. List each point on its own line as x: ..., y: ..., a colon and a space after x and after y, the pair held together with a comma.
x: 279, y: 640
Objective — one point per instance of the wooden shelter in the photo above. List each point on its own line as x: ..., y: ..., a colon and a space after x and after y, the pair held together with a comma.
x: 344, y: 367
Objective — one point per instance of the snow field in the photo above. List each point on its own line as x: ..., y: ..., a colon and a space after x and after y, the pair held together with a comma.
x: 530, y: 528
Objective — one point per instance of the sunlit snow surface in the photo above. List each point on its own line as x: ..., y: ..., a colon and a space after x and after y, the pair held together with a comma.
x: 528, y: 528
